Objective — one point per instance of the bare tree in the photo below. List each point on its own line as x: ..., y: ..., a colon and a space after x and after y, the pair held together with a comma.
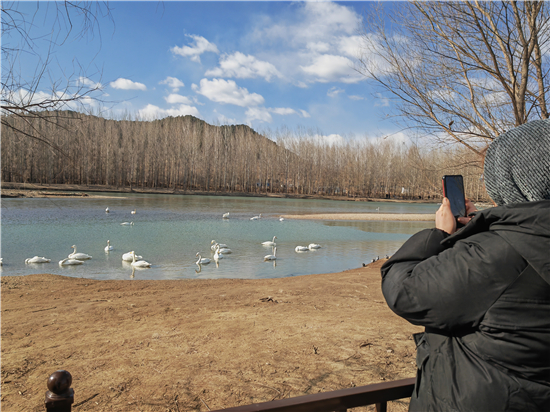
x: 463, y: 72
x: 31, y: 88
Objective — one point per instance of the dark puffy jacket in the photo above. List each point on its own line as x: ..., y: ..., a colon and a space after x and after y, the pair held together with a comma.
x: 483, y: 295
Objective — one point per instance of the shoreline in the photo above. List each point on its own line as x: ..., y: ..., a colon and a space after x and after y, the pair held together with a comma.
x: 11, y: 190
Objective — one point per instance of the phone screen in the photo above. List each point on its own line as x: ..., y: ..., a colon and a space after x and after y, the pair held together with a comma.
x: 453, y: 189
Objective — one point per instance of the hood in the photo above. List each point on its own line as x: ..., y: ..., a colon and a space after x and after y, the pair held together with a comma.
x: 526, y: 226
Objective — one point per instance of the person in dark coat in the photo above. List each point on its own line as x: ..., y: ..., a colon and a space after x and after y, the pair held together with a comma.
x: 483, y: 292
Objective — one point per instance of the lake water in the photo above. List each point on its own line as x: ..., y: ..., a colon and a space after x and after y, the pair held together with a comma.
x: 169, y: 230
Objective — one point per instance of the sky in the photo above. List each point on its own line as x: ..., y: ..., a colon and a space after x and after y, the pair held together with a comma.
x: 272, y: 65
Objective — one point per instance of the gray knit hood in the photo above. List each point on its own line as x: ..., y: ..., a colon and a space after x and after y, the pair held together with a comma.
x: 517, y: 164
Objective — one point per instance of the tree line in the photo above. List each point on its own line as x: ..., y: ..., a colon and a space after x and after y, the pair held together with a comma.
x: 187, y: 154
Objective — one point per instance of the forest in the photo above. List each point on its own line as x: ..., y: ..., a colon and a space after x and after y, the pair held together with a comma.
x: 187, y: 154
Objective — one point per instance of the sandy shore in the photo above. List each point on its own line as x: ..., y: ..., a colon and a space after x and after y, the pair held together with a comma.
x: 199, y: 345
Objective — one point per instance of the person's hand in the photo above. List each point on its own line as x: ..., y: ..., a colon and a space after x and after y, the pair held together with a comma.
x: 444, y: 218
x: 470, y: 208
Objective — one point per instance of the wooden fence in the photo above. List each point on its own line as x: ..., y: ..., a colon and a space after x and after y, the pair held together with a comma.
x: 60, y: 397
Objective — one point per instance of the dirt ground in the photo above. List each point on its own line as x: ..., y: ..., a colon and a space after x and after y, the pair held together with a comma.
x: 199, y: 345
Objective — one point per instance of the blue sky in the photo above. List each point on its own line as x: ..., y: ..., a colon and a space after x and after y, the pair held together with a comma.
x: 266, y: 64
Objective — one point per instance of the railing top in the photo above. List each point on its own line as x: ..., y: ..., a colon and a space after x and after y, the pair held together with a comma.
x: 335, y: 400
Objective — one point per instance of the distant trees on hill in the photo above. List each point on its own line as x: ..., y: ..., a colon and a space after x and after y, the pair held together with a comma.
x: 186, y: 153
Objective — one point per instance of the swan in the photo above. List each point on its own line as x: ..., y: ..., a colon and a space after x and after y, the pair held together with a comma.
x: 78, y: 256
x: 69, y: 261
x: 37, y: 259
x: 127, y: 223
x: 107, y: 210
x: 127, y: 257
x: 301, y: 249
x: 218, y: 255
x: 256, y: 217
x: 139, y: 263
x: 215, y: 245
x: 226, y: 215
x: 202, y: 261
x: 224, y: 251
x: 270, y: 242
x: 108, y: 247
x: 281, y: 219
x: 133, y: 212
x: 273, y: 256
x: 314, y: 246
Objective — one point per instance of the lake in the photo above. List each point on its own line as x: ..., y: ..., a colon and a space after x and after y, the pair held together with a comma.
x: 168, y: 230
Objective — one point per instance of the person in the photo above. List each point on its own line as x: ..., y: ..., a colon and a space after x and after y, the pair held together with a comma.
x: 482, y: 292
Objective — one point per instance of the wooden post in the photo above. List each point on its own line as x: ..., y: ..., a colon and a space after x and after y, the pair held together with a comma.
x: 60, y: 395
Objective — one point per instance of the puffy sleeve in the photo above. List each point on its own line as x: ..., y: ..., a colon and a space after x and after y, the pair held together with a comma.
x: 449, y: 287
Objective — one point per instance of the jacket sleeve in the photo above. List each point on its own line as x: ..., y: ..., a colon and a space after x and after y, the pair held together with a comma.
x: 448, y: 288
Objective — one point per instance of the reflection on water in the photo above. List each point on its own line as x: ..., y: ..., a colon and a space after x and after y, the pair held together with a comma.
x: 169, y: 230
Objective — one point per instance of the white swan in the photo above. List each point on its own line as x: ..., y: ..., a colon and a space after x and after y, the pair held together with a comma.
x: 139, y: 263
x: 127, y: 257
x: 270, y: 242
x: 273, y: 256
x: 202, y: 261
x: 215, y: 245
x: 226, y: 215
x: 301, y: 249
x: 217, y: 254
x: 133, y: 212
x: 256, y: 217
x: 37, y: 259
x: 69, y: 261
x: 314, y: 246
x: 107, y: 210
x: 78, y: 256
x: 127, y: 223
x: 108, y: 248
x: 281, y: 219
x: 224, y: 251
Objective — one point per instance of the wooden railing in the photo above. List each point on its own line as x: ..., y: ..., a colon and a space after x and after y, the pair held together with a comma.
x: 60, y: 397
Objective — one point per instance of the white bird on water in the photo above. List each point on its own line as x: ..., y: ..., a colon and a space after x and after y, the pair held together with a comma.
x: 270, y: 242
x: 78, y: 256
x: 107, y: 210
x: 226, y: 215
x: 128, y: 257
x: 314, y: 246
x: 256, y: 217
x: 139, y: 263
x: 214, y: 245
x: 133, y: 212
x: 281, y: 219
x: 127, y: 223
x: 68, y: 261
x: 217, y: 254
x: 38, y: 259
x: 301, y: 249
x: 202, y: 261
x: 108, y: 248
x: 273, y: 256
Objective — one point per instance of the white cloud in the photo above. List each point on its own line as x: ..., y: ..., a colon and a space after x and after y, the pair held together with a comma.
x: 334, y: 91
x: 305, y: 114
x: 258, y: 113
x: 125, y: 84
x: 351, y: 45
x: 177, y: 98
x: 84, y: 81
x: 282, y: 110
x: 331, y: 68
x: 355, y: 97
x: 151, y: 112
x: 331, y: 139
x: 222, y: 119
x: 382, y: 101
x: 200, y: 45
x: 243, y: 66
x: 227, y: 91
x: 173, y: 83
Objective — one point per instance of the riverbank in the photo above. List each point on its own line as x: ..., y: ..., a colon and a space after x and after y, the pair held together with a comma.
x: 198, y: 345
x: 10, y: 189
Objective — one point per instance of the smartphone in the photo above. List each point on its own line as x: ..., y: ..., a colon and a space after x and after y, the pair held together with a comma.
x: 453, y: 189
